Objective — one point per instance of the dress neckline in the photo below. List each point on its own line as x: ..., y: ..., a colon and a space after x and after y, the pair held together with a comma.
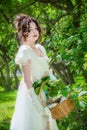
x: 34, y: 51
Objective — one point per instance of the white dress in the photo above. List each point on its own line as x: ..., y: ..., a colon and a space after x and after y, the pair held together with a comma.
x: 26, y: 116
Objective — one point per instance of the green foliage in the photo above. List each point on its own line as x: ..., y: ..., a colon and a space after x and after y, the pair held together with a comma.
x: 7, y: 101
x: 65, y: 39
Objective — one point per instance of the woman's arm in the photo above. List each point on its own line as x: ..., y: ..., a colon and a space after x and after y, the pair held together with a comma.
x: 52, y: 77
x: 29, y: 84
x: 27, y: 75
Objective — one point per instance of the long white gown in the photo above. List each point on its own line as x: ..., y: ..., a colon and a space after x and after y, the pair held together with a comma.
x: 26, y: 116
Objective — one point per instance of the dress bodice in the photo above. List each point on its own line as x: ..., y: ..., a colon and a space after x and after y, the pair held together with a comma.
x: 39, y: 65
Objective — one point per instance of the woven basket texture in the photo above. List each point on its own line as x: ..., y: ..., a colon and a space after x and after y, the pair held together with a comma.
x: 61, y: 109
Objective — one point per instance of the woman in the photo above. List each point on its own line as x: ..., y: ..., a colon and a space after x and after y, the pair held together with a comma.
x: 29, y: 113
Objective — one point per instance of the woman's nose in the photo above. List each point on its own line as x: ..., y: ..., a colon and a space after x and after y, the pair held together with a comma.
x: 34, y: 30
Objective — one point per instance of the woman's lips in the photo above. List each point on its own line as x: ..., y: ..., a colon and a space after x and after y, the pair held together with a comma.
x: 34, y: 35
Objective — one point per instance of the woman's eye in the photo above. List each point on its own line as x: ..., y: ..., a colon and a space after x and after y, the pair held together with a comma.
x: 30, y: 30
x: 35, y: 29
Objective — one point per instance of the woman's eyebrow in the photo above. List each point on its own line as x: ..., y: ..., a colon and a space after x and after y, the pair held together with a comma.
x: 33, y: 28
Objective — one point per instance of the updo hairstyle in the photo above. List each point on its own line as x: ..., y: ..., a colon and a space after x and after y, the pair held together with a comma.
x: 22, y: 24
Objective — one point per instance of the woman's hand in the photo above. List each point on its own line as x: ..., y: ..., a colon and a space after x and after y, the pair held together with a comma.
x: 47, y: 125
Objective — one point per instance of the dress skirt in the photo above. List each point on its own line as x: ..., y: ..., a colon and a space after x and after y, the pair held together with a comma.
x: 26, y: 117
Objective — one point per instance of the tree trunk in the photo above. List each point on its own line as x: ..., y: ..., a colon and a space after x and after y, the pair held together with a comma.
x: 63, y: 72
x: 16, y: 78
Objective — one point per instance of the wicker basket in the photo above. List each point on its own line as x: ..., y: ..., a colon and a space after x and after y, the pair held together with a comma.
x: 61, y: 109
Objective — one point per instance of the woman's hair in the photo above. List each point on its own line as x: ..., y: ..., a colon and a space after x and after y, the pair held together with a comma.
x: 22, y: 24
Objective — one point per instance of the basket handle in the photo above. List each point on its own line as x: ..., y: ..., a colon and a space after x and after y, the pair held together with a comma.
x: 40, y: 96
x: 49, y: 101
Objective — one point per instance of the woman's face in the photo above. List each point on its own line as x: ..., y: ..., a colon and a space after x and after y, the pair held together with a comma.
x: 34, y: 33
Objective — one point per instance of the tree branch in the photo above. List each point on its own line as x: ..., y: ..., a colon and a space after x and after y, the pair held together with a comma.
x: 24, y: 7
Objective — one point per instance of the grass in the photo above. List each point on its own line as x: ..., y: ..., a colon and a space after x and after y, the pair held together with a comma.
x: 7, y: 102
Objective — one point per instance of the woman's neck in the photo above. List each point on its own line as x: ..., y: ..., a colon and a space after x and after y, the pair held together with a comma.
x: 29, y: 43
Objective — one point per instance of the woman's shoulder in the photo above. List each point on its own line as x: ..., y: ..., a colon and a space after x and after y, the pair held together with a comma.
x: 41, y: 47
x: 23, y: 55
x: 24, y: 49
x: 24, y: 46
